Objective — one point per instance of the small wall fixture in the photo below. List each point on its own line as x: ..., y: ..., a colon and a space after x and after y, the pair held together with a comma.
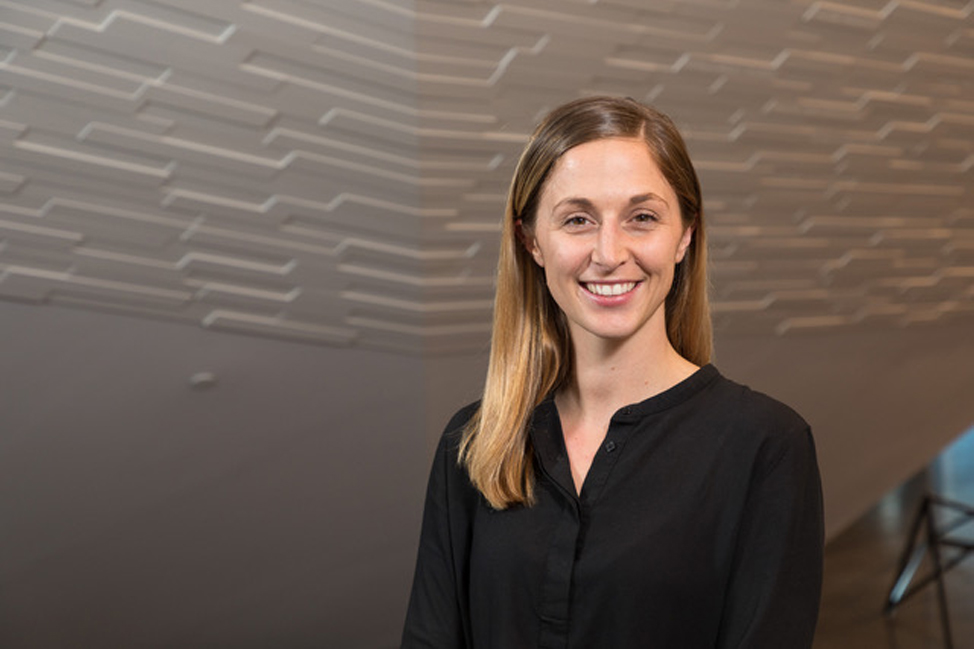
x: 202, y: 380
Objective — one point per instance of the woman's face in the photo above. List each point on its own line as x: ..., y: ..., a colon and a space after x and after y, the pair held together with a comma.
x: 608, y: 234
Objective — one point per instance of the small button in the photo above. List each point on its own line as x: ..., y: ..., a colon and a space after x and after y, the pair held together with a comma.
x: 627, y: 410
x: 610, y: 446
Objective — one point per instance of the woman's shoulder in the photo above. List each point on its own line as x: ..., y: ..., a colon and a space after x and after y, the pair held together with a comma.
x: 746, y: 405
x: 461, y: 417
x: 757, y: 421
x: 452, y: 436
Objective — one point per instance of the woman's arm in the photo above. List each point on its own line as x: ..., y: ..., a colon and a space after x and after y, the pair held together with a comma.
x: 435, y: 619
x: 773, y: 595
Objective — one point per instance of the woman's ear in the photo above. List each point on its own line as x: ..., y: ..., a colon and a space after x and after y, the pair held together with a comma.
x: 685, y: 240
x: 527, y: 240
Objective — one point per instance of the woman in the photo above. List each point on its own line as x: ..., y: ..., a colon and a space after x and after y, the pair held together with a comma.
x: 612, y: 489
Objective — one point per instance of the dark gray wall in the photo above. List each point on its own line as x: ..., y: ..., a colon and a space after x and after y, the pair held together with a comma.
x: 279, y: 507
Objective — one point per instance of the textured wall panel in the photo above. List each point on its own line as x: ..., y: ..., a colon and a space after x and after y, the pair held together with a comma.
x: 335, y: 171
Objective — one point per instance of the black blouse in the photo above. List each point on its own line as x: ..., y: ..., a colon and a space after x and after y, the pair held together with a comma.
x: 699, y: 525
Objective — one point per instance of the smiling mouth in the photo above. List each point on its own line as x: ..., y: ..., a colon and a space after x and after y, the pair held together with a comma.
x: 609, y: 290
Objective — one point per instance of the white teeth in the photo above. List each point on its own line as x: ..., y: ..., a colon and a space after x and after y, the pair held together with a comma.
x: 611, y: 289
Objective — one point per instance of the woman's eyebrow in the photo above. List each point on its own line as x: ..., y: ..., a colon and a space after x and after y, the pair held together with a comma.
x: 575, y: 201
x: 649, y: 196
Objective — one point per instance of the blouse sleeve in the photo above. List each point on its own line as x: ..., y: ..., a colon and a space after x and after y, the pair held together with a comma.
x: 434, y: 618
x: 773, y: 595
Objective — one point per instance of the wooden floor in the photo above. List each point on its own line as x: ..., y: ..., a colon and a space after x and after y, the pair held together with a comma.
x: 861, y: 565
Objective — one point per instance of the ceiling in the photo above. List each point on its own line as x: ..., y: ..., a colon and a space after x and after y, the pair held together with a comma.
x: 334, y: 172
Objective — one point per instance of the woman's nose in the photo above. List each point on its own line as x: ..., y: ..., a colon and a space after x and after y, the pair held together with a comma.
x: 611, y: 246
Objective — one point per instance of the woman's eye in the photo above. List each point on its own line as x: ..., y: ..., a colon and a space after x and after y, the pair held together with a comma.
x: 576, y: 220
x: 645, y: 217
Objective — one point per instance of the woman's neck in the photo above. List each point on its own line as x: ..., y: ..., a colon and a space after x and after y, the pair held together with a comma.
x: 609, y: 375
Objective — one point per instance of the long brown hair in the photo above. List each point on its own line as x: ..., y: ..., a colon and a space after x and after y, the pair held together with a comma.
x: 531, y: 353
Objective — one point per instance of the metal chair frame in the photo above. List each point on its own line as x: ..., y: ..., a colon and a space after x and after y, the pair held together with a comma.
x: 932, y: 539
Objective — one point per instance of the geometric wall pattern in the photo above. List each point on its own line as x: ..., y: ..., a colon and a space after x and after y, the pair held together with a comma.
x: 334, y: 171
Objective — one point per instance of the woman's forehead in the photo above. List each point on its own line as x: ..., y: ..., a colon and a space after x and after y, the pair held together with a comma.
x: 624, y: 168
